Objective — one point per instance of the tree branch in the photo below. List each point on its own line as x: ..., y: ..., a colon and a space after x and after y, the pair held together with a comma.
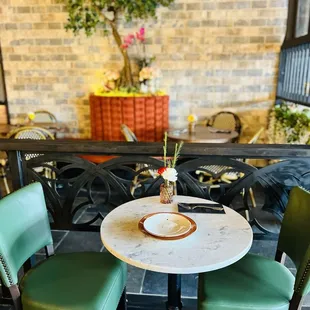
x: 127, y: 79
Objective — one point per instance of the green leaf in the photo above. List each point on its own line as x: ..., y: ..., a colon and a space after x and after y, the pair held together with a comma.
x: 86, y: 14
x: 294, y: 124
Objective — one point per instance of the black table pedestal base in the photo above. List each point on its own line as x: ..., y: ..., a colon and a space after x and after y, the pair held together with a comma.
x: 174, y: 292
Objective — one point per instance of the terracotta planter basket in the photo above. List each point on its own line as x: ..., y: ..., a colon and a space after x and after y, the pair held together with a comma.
x: 146, y: 116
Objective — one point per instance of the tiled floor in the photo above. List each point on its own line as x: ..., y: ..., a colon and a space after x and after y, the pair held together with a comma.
x: 147, y: 282
x: 142, y: 282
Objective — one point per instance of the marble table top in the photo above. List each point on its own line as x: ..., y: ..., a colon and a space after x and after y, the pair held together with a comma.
x: 219, y: 241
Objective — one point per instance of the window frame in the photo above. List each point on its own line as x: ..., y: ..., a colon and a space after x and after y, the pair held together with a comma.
x: 290, y: 39
x: 5, y: 102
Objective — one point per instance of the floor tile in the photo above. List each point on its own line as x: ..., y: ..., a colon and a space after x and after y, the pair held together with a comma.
x: 154, y: 302
x: 307, y: 301
x: 88, y: 216
x: 266, y: 248
x: 157, y: 283
x: 259, y: 235
x: 57, y: 235
x: 134, y: 279
x: 39, y: 258
x: 289, y: 263
x: 189, y: 285
x: 293, y: 271
x: 80, y: 241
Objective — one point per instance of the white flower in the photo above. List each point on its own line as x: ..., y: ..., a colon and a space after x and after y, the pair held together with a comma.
x: 170, y: 174
x: 144, y: 88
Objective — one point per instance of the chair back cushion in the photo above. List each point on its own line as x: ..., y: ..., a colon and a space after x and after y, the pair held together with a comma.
x: 24, y: 229
x: 128, y: 134
x: 294, y: 237
x: 30, y: 134
x: 226, y: 120
x: 42, y: 116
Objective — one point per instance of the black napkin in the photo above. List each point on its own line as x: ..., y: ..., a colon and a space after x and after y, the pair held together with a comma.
x: 218, y: 130
x: 213, y: 208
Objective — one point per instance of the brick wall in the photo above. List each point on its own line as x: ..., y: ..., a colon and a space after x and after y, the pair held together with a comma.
x: 3, y: 114
x: 213, y: 53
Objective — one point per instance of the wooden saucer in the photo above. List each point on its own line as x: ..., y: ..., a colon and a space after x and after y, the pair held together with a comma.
x: 191, y: 230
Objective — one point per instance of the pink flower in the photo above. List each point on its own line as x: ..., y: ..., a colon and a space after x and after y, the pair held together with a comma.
x: 140, y: 35
x: 129, y: 39
x: 124, y: 46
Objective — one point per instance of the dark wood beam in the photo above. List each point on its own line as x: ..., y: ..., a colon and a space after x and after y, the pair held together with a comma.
x: 155, y: 149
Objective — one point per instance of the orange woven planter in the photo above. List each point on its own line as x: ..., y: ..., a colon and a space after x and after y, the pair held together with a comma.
x: 146, y: 116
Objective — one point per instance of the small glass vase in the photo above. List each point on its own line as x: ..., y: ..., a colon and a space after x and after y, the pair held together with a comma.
x: 191, y: 128
x: 166, y: 193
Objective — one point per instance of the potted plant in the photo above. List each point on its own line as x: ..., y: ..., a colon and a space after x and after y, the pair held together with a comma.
x: 289, y: 123
x: 126, y: 96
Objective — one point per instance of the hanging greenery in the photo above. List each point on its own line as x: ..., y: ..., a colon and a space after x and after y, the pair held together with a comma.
x: 290, y: 124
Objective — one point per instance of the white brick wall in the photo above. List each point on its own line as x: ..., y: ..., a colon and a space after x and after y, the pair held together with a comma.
x: 212, y: 54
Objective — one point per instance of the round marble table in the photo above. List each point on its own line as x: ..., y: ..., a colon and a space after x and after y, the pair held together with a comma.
x: 202, y: 134
x: 219, y: 241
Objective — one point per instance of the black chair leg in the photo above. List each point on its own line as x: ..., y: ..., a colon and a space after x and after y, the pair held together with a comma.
x: 14, y: 290
x: 122, y: 305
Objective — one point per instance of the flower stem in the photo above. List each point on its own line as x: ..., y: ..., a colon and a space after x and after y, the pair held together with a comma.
x: 165, y: 149
x: 177, y: 150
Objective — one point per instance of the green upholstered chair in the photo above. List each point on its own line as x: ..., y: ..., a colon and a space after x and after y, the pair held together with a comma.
x: 258, y: 283
x: 75, y: 281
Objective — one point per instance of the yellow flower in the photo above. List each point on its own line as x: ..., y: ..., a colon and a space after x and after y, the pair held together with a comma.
x: 192, y: 118
x: 31, y: 116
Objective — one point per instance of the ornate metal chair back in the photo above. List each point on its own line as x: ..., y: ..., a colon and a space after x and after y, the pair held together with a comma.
x: 128, y: 134
x: 226, y: 120
x: 43, y: 116
x: 34, y: 133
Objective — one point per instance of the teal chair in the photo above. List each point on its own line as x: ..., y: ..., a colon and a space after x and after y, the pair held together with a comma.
x: 75, y: 281
x: 258, y: 283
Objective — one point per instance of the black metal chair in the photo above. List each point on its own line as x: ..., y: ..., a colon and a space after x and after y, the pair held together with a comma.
x: 34, y: 133
x: 141, y: 169
x: 224, y: 174
x: 43, y: 116
x: 3, y: 174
